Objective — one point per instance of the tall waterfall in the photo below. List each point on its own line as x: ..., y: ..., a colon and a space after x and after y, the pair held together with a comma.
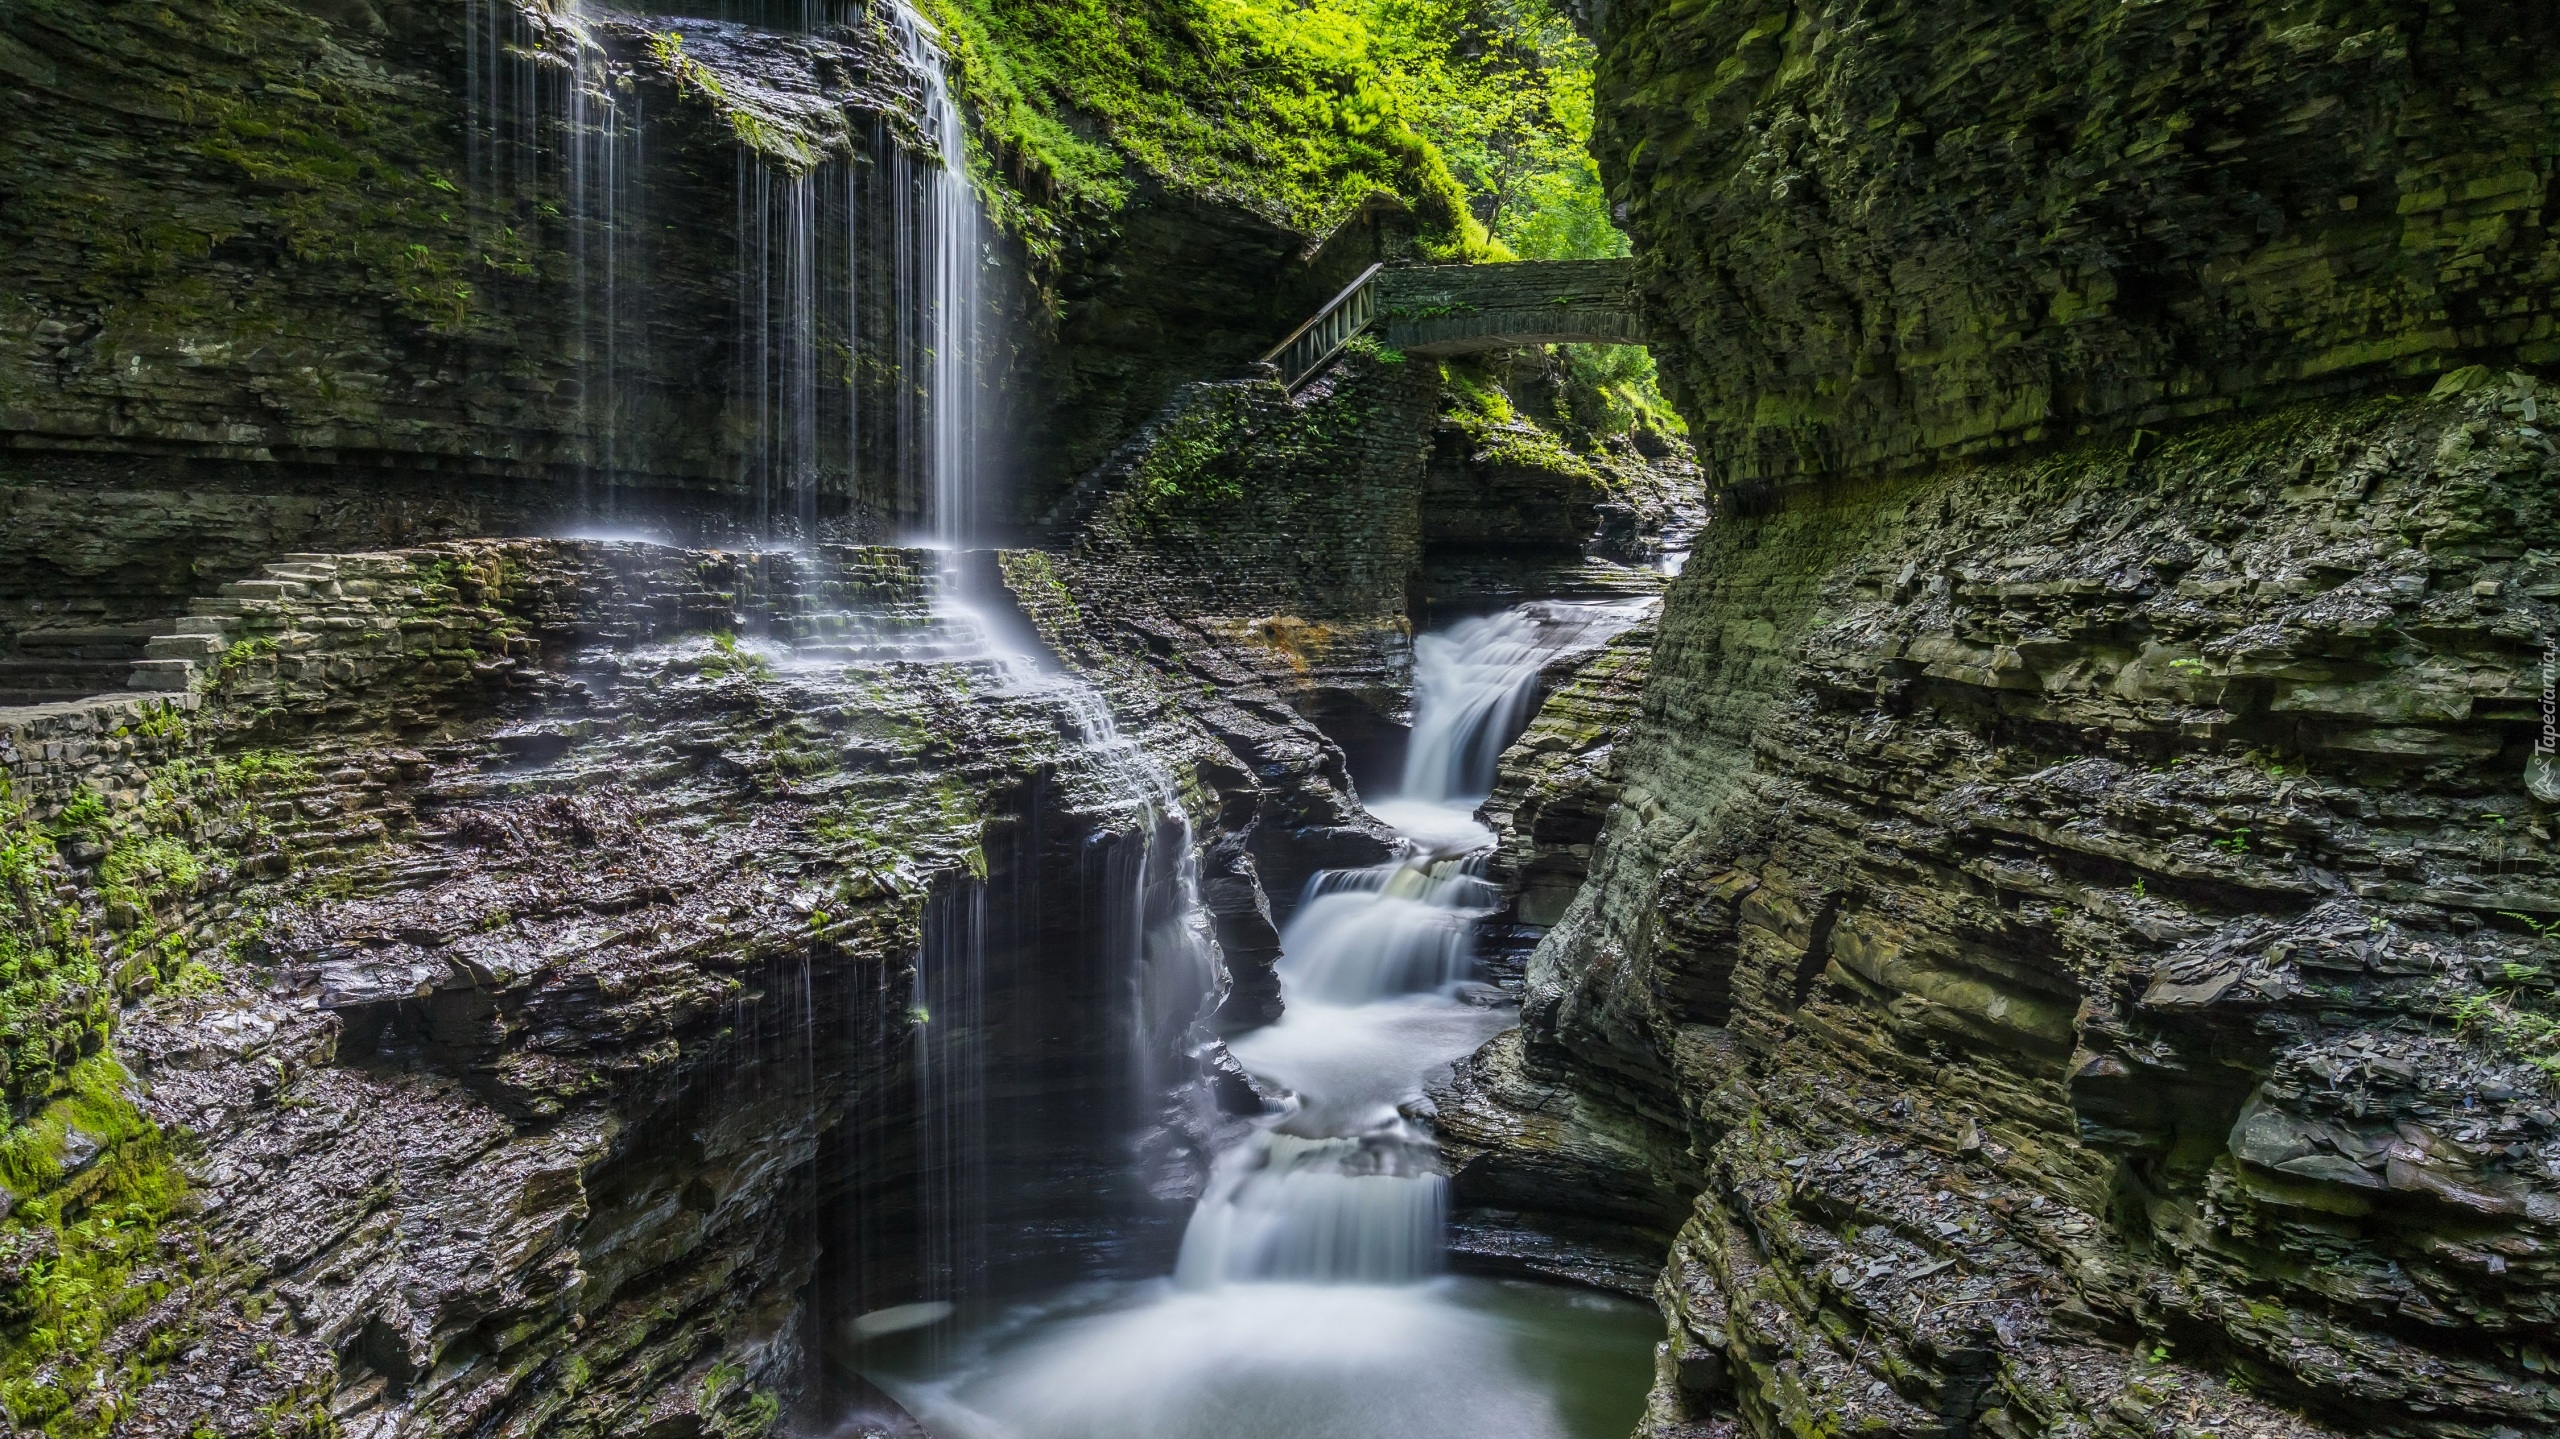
x: 943, y: 290
x: 855, y: 284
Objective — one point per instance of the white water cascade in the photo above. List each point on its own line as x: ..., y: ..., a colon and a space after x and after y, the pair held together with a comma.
x: 1310, y: 1295
x: 1153, y: 930
x: 1309, y: 1298
x: 855, y: 289
x: 939, y: 283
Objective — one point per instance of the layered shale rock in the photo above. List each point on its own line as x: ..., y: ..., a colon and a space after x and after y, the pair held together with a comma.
x: 2071, y: 951
x: 1882, y: 236
x: 2081, y: 928
x: 509, y: 964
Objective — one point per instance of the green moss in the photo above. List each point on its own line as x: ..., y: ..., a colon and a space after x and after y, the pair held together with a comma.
x: 80, y: 1252
x: 726, y: 660
x: 1192, y: 466
x: 1033, y: 577
x: 765, y: 135
x: 53, y: 1003
x: 1468, y: 112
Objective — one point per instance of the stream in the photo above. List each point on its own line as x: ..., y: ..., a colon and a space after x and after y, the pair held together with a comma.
x: 1311, y: 1296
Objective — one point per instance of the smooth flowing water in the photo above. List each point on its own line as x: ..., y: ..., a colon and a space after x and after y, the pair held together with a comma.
x: 1310, y: 1297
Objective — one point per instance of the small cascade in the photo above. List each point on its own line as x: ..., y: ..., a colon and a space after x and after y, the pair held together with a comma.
x: 1310, y: 1296
x: 1475, y: 684
x: 1376, y: 966
x: 1343, y: 1209
x: 1366, y: 935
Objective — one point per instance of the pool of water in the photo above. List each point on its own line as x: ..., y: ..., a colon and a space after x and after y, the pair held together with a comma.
x: 1446, y: 1358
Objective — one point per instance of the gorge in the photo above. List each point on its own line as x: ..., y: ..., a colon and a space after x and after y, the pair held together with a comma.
x: 706, y: 733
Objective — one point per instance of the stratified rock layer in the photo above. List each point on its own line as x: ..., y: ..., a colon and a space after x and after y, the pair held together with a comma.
x: 518, y: 983
x: 2078, y: 931
x: 1878, y: 235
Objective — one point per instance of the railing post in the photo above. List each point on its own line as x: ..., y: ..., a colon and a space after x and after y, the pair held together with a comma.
x: 1311, y: 344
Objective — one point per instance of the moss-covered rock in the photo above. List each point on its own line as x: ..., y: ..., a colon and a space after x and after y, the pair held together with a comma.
x: 467, y: 981
x: 2039, y: 896
x: 1884, y: 236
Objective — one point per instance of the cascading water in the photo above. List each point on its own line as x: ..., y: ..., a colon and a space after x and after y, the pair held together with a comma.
x: 857, y: 270
x: 854, y: 291
x: 1151, y: 924
x: 1308, y: 1298
x: 1475, y: 685
x: 943, y: 289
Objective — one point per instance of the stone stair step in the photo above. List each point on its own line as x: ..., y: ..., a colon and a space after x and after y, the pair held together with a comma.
x: 183, y: 647
x: 162, y: 675
x: 266, y: 589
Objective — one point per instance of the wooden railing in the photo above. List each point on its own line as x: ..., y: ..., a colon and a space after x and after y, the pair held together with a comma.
x: 1318, y: 340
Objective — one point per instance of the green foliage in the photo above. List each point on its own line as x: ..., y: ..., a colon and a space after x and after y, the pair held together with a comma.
x: 243, y: 652
x: 2511, y: 1025
x: 160, y: 720
x: 253, y: 770
x: 1191, y: 467
x: 1473, y: 393
x: 1370, y: 347
x: 52, y: 996
x: 1468, y: 110
x: 2548, y: 931
x: 1613, y: 390
x: 85, y: 811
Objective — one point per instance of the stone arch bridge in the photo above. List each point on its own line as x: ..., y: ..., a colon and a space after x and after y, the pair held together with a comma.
x: 1463, y: 309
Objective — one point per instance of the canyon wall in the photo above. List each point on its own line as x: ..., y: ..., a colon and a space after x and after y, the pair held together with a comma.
x: 2072, y: 952
x: 494, y: 987
x: 1878, y: 238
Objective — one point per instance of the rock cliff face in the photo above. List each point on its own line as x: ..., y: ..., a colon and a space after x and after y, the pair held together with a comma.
x: 2071, y: 953
x: 1879, y: 237
x: 527, y: 987
x: 349, y: 277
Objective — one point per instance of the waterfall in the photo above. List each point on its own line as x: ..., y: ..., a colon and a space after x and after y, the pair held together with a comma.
x: 855, y: 290
x: 943, y: 290
x: 1338, y: 1209
x: 1364, y: 935
x: 1373, y: 964
x: 1474, y: 685
x: 1310, y: 1297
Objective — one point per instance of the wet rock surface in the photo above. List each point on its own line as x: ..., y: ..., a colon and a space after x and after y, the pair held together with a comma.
x: 2076, y: 929
x: 545, y: 960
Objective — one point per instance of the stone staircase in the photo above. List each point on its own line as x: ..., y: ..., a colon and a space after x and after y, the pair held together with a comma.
x: 193, y: 645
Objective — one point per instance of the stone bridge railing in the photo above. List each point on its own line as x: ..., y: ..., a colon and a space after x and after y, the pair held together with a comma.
x: 1462, y: 309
